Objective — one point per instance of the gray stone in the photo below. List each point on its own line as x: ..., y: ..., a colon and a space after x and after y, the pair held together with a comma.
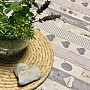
x: 26, y: 74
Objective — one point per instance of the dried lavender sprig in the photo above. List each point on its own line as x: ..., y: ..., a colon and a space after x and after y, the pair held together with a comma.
x: 43, y: 7
x: 51, y: 17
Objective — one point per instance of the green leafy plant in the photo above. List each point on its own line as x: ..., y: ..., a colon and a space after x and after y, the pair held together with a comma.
x: 19, y: 24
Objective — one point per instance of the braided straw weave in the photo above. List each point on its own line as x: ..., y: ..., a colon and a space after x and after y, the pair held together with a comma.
x: 38, y: 53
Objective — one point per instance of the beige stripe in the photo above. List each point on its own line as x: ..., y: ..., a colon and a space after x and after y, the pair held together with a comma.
x: 72, y: 47
x: 71, y: 28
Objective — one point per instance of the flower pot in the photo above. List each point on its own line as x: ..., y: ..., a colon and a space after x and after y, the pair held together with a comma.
x: 12, y: 47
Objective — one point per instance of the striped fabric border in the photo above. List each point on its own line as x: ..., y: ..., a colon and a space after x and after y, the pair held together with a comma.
x: 71, y: 81
x: 72, y: 47
x: 73, y: 6
x: 64, y: 34
x: 61, y: 8
x: 71, y: 69
x: 72, y: 57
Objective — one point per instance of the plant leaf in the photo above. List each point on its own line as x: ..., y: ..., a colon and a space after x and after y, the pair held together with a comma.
x: 30, y: 14
x: 26, y: 2
x: 4, y: 17
x: 11, y: 19
x: 32, y: 1
x: 7, y: 10
x: 14, y: 5
x: 35, y: 4
x: 1, y: 7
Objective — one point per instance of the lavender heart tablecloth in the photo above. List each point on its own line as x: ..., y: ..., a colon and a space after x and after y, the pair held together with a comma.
x: 70, y: 40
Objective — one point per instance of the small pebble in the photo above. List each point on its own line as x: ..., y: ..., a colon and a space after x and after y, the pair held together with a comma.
x: 26, y: 74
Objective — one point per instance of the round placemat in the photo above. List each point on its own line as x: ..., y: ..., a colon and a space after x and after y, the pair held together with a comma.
x: 39, y: 53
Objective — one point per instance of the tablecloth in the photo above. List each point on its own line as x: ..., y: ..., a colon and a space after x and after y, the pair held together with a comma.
x: 70, y: 40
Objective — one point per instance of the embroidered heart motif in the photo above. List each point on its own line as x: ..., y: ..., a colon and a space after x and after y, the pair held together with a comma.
x: 81, y: 50
x: 85, y: 4
x: 26, y: 74
x: 50, y: 37
x: 66, y: 44
x: 69, y: 81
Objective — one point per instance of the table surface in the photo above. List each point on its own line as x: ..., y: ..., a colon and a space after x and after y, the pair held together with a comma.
x: 70, y: 40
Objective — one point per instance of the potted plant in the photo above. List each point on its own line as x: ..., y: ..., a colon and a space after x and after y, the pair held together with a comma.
x: 17, y: 28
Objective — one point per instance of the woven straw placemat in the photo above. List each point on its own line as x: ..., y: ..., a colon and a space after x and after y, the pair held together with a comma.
x: 39, y: 53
